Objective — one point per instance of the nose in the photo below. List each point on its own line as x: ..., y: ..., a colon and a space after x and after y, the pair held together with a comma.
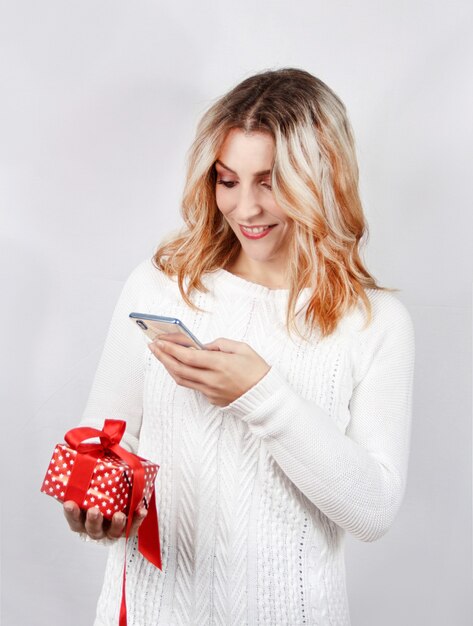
x: 247, y: 205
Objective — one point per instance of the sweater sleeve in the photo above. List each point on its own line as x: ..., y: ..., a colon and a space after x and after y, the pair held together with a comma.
x: 356, y: 478
x: 117, y: 389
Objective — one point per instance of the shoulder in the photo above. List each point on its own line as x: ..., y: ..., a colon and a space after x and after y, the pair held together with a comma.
x: 146, y: 275
x: 144, y: 285
x: 389, y: 335
x: 146, y: 270
x: 388, y: 314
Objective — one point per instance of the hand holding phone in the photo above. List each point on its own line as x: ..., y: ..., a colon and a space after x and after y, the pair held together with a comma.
x: 155, y: 325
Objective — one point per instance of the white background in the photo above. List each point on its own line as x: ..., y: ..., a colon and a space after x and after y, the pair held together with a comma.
x: 99, y: 102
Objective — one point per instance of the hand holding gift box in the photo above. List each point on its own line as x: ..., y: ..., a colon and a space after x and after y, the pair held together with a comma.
x: 106, y: 476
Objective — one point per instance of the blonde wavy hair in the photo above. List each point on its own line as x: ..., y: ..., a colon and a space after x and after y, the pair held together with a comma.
x: 314, y: 180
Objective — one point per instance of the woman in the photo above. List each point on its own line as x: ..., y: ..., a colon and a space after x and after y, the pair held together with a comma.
x: 292, y: 428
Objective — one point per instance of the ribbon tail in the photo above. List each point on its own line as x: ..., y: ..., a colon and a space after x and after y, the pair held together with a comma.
x: 148, y: 535
x: 123, y: 620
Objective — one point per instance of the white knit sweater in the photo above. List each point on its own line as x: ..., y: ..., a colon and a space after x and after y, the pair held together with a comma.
x: 254, y: 498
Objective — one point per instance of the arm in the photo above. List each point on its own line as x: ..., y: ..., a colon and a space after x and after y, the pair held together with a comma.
x: 117, y: 389
x: 358, y: 478
x: 117, y: 392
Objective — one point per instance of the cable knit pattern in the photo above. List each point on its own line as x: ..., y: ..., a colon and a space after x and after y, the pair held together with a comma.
x: 254, y: 498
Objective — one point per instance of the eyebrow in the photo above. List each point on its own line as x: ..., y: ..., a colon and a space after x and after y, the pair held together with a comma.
x: 262, y: 173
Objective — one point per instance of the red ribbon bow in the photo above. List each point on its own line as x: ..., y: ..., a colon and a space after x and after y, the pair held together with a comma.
x: 81, y: 475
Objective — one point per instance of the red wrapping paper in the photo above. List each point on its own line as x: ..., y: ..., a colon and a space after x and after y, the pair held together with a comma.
x: 110, y: 484
x: 107, y: 476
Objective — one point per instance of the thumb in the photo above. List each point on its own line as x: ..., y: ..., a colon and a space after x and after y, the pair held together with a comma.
x: 226, y: 345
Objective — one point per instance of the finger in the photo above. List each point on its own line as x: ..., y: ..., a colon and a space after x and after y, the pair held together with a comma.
x: 117, y: 526
x: 185, y: 373
x: 198, y: 359
x: 211, y: 346
x: 227, y: 345
x: 176, y: 338
x: 190, y: 377
x: 178, y: 355
x: 138, y: 519
x: 72, y: 513
x: 94, y: 523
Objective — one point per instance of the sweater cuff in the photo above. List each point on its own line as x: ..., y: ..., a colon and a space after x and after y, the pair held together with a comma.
x: 105, y: 541
x: 259, y: 405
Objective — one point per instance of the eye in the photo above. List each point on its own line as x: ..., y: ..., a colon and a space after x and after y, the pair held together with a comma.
x: 226, y: 183
x: 266, y: 183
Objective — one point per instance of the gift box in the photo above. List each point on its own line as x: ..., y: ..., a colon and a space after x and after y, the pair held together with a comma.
x: 101, y: 474
x: 105, y: 475
x: 110, y: 482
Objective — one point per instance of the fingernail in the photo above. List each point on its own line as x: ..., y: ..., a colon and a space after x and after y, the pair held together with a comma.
x: 142, y: 513
x: 94, y: 514
x: 68, y: 507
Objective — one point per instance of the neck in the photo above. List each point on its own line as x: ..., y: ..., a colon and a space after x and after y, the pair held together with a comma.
x: 271, y: 277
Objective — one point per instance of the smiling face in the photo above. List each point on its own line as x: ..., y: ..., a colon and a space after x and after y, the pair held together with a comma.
x: 244, y: 196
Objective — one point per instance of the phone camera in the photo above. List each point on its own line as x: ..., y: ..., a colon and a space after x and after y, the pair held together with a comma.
x: 141, y: 324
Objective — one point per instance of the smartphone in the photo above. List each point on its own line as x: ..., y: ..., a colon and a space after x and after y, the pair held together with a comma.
x: 155, y: 325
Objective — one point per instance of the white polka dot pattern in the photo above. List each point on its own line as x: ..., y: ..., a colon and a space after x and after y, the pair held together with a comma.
x: 110, y: 486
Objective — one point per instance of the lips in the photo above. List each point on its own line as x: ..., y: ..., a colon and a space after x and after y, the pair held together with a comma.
x: 256, y: 232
